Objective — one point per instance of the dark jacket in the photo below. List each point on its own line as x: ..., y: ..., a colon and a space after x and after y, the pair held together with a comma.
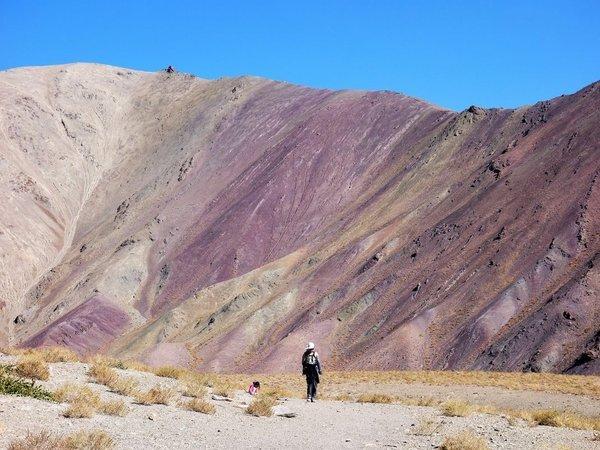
x: 311, y: 370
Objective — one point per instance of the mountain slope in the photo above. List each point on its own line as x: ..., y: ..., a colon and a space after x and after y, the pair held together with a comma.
x: 186, y: 221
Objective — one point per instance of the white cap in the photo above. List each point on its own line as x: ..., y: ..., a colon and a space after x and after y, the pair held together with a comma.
x: 310, y: 346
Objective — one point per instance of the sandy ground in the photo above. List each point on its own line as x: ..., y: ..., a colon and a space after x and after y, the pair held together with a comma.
x: 324, y: 424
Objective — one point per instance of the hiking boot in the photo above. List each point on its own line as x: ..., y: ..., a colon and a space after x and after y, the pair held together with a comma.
x: 312, y: 399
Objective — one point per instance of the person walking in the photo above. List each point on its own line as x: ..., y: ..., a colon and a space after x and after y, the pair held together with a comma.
x: 311, y: 368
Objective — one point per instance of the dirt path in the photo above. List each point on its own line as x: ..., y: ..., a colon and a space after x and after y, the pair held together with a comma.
x: 324, y: 424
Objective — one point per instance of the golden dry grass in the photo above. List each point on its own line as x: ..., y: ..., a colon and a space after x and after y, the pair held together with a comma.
x: 88, y: 440
x: 261, y: 406
x: 193, y: 388
x: 109, y: 377
x: 50, y: 354
x: 69, y: 392
x: 159, y: 395
x: 563, y: 419
x: 374, y: 398
x: 170, y: 372
x: 79, y: 440
x: 80, y: 409
x: 102, y: 374
x: 103, y: 360
x: 36, y: 441
x: 426, y: 427
x: 200, y: 405
x: 123, y: 386
x: 457, y: 408
x: 224, y: 389
x: 465, y: 440
x: 114, y: 408
x: 32, y: 366
x: 139, y: 366
x: 276, y: 392
x: 547, y: 382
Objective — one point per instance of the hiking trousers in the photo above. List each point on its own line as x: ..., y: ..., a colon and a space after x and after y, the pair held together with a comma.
x: 311, y: 387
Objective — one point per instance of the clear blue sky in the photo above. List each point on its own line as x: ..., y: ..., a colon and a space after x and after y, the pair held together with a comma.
x: 452, y: 53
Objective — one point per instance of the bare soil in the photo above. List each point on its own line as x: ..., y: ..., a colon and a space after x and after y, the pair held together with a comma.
x: 324, y: 424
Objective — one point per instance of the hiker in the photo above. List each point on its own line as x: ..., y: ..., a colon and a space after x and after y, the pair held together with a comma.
x: 254, y: 388
x: 170, y: 69
x: 311, y: 368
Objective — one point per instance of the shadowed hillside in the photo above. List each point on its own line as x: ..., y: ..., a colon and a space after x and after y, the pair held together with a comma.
x: 221, y: 224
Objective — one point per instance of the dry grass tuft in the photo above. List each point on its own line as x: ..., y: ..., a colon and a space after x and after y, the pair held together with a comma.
x: 170, y: 372
x: 34, y: 367
x: 201, y: 406
x: 84, y: 402
x: 88, y: 440
x: 103, y: 360
x: 224, y: 389
x: 465, y: 440
x: 193, y: 388
x: 456, y: 408
x: 261, y: 406
x: 102, y: 373
x: 374, y: 398
x: 70, y: 392
x: 114, y: 408
x: 80, y: 409
x: 158, y: 395
x: 138, y: 366
x: 426, y: 427
x: 123, y: 386
x: 553, y: 418
x: 38, y: 441
x: 276, y: 392
x: 80, y: 440
x: 110, y: 378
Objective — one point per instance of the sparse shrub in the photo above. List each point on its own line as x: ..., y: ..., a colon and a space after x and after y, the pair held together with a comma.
x: 88, y: 440
x: 223, y: 389
x: 342, y: 397
x: 136, y: 365
x: 80, y: 440
x: 465, y: 440
x: 193, y: 388
x: 170, y: 372
x: 276, y: 392
x: 374, y: 398
x: 70, y: 392
x: 84, y: 403
x: 201, y: 406
x: 261, y: 406
x: 160, y: 395
x: 123, y: 386
x: 32, y: 366
x: 102, y: 374
x: 80, y: 409
x: 573, y: 420
x: 426, y: 427
x: 56, y: 354
x: 103, y: 360
x: 38, y: 441
x: 456, y: 408
x: 114, y: 408
x: 12, y: 385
